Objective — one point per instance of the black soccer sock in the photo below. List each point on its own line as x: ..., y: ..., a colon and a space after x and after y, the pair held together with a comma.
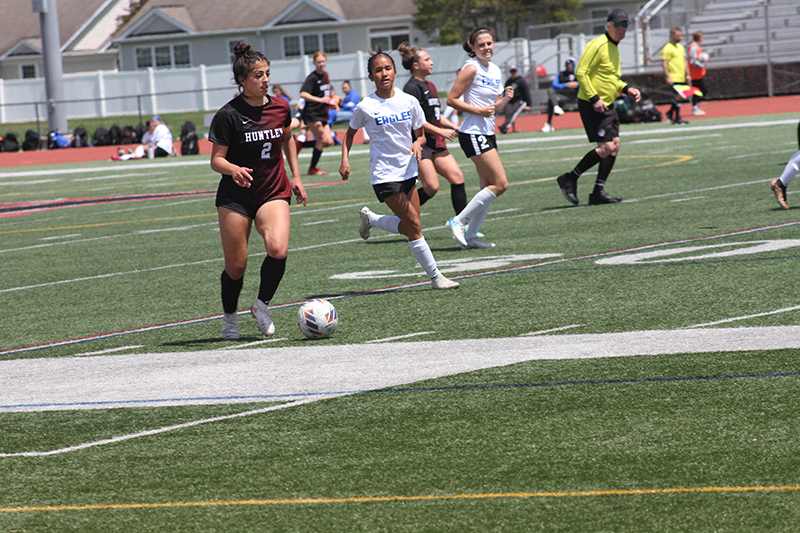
x: 271, y: 274
x: 458, y: 196
x: 589, y: 160
x: 602, y: 173
x: 423, y: 196
x: 315, y: 157
x: 550, y: 110
x: 230, y: 292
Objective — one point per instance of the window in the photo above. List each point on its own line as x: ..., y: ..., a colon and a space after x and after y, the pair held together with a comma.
x: 330, y: 43
x: 144, y: 58
x: 165, y: 56
x: 291, y: 46
x: 309, y: 44
x: 28, y: 71
x: 599, y: 26
x: 389, y: 38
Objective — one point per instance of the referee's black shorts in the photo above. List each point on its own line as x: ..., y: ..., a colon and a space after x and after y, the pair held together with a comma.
x: 600, y: 127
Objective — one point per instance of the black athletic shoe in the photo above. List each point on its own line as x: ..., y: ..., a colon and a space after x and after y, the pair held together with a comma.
x: 569, y: 185
x: 602, y: 197
x: 679, y: 121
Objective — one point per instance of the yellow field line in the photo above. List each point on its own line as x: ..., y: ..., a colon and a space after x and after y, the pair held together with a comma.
x: 428, y: 497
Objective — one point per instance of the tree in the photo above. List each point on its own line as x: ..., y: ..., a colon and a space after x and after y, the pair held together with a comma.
x: 450, y: 21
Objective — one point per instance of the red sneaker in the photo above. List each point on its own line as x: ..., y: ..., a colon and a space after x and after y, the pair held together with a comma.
x: 315, y: 172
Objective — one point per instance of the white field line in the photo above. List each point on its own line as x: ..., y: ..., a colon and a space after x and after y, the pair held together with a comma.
x: 255, y: 343
x: 542, y: 332
x: 111, y: 350
x: 157, y: 431
x: 744, y: 317
x: 398, y: 337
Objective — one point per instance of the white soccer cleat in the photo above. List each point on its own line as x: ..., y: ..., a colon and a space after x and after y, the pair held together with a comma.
x: 230, y: 326
x: 696, y: 111
x: 477, y: 243
x: 260, y: 312
x: 458, y: 230
x: 557, y: 110
x: 364, y: 229
x: 547, y: 128
x: 442, y: 283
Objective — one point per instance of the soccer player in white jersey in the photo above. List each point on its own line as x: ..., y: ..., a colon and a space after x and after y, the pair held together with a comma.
x: 480, y: 83
x: 779, y: 185
x: 391, y: 116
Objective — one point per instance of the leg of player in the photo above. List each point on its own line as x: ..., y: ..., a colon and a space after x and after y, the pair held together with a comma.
x: 407, y: 210
x: 234, y: 230
x: 447, y: 166
x: 493, y: 176
x: 322, y: 134
x: 779, y: 185
x: 429, y: 180
x: 272, y: 222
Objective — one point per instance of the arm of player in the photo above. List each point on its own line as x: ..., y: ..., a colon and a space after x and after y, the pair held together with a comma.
x: 290, y: 149
x: 241, y: 175
x: 344, y: 168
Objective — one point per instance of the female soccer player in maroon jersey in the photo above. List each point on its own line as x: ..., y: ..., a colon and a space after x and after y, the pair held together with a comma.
x: 248, y: 134
x: 435, y: 156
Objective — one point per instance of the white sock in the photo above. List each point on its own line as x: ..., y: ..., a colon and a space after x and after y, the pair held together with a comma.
x: 791, y: 169
x: 424, y: 256
x: 388, y: 223
x: 475, y: 224
x: 139, y: 152
x: 482, y: 200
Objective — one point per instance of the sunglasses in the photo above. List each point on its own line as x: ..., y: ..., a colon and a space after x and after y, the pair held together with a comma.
x: 624, y: 24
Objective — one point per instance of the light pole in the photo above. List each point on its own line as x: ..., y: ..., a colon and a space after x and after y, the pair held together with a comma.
x: 53, y: 69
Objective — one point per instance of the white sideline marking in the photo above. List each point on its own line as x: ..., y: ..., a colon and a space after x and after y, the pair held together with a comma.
x: 301, y: 375
x: 745, y: 317
x: 110, y: 350
x: 408, y: 336
x: 156, y: 431
x: 541, y: 332
x: 256, y: 343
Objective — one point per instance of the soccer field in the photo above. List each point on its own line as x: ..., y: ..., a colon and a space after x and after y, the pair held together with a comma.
x: 625, y: 367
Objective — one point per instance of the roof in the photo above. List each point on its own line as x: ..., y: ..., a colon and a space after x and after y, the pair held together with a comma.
x: 201, y: 16
x: 77, y: 20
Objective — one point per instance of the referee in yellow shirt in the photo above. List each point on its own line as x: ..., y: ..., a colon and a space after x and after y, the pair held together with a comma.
x: 675, y: 65
x: 599, y: 80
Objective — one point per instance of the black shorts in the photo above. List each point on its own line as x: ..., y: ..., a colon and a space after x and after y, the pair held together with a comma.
x: 474, y: 144
x: 248, y: 210
x: 390, y: 188
x: 428, y: 152
x: 600, y: 127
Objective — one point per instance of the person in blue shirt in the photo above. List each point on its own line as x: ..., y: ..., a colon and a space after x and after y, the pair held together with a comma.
x: 563, y: 90
x: 347, y: 105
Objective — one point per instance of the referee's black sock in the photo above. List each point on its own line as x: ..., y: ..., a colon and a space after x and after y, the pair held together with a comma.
x: 602, y: 173
x: 588, y: 161
x: 315, y: 157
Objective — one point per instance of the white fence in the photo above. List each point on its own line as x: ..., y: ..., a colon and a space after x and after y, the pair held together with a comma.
x: 205, y: 88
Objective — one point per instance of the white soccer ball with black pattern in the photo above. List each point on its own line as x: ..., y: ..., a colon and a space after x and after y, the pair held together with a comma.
x: 317, y: 318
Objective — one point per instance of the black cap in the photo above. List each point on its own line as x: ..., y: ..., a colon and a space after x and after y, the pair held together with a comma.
x: 618, y: 15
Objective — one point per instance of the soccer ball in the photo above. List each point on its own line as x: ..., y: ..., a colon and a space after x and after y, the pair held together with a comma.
x: 317, y: 319
x: 703, y: 57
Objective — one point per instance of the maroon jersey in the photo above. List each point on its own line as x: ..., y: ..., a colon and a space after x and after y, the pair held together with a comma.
x: 254, y: 137
x: 425, y: 92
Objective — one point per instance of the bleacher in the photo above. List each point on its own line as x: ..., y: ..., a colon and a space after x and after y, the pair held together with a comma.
x: 734, y: 31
